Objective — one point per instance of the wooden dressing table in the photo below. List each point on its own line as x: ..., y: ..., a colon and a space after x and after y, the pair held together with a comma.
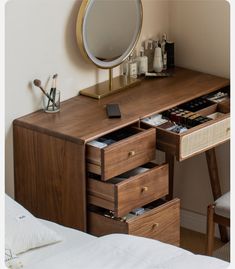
x: 52, y: 158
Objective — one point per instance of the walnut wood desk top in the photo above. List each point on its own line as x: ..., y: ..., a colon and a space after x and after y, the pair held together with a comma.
x: 82, y: 118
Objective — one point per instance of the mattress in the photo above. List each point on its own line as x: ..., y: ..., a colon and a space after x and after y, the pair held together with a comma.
x: 72, y: 239
x: 117, y: 251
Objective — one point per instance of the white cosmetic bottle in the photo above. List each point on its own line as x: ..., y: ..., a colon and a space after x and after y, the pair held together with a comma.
x: 142, y: 61
x: 157, y: 61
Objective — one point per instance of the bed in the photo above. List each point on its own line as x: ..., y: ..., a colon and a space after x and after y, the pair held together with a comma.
x: 76, y: 250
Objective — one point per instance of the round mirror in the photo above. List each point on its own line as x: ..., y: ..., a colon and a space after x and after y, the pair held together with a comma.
x: 108, y: 30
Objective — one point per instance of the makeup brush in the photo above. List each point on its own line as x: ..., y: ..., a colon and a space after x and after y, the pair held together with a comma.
x: 51, y: 90
x: 38, y: 84
x: 54, y: 87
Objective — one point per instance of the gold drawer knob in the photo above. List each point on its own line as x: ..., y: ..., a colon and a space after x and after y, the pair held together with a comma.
x: 131, y: 153
x: 155, y: 225
x: 228, y: 130
x: 144, y: 189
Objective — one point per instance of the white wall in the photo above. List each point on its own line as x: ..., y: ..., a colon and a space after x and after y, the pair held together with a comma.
x: 200, y: 30
x: 40, y: 41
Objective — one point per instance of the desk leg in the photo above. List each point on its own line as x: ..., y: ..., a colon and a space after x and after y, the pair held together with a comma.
x: 215, y: 185
x: 170, y: 158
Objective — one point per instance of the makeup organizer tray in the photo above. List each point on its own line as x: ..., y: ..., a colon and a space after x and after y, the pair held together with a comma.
x: 193, y: 126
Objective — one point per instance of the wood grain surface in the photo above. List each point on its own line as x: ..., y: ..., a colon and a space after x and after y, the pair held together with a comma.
x: 83, y: 118
x: 131, y: 193
x: 161, y: 223
x: 50, y: 177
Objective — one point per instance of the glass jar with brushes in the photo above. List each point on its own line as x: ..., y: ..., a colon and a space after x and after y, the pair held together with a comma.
x: 51, y: 99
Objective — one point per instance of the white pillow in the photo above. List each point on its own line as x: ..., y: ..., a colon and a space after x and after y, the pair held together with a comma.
x: 23, y: 231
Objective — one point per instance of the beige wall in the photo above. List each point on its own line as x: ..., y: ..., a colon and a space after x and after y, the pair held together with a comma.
x: 40, y: 41
x: 200, y: 30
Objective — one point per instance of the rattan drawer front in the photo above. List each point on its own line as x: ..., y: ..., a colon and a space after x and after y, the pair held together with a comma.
x: 123, y: 155
x: 195, y: 140
x: 161, y: 223
x: 131, y: 193
x: 205, y: 138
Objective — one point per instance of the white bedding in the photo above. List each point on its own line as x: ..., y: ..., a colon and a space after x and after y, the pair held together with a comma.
x: 82, y: 251
x: 72, y: 239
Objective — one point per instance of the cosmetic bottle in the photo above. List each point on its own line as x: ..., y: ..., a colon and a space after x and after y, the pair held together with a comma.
x: 163, y: 44
x: 164, y: 61
x: 149, y: 52
x: 132, y: 67
x: 169, y: 47
x: 142, y: 61
x: 125, y: 67
x: 164, y: 53
x: 157, y: 62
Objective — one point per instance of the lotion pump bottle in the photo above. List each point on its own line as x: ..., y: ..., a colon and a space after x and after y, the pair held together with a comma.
x: 142, y: 62
x: 157, y: 62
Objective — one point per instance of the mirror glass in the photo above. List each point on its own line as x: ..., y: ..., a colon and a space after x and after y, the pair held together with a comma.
x: 109, y: 30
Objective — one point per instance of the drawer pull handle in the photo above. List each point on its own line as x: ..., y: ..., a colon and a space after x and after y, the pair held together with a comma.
x: 131, y: 153
x: 228, y: 130
x: 155, y: 225
x: 144, y: 189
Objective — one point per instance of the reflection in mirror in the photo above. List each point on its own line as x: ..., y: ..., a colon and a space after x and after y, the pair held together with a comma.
x: 110, y: 27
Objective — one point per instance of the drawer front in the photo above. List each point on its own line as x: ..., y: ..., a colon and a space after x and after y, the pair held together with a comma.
x: 195, y: 141
x: 161, y: 223
x: 122, y: 156
x: 99, y: 225
x: 133, y: 192
x: 205, y: 138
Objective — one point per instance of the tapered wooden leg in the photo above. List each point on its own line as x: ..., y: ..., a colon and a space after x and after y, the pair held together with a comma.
x: 215, y: 185
x: 170, y: 160
x: 210, y: 230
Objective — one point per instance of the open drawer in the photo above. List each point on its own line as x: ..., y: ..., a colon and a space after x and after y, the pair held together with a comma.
x: 199, y: 138
x: 121, y: 196
x: 131, y: 147
x: 161, y: 222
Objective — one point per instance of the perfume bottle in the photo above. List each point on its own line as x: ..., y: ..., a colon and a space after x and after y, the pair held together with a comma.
x: 125, y: 67
x: 142, y: 61
x: 132, y: 67
x: 163, y: 44
x: 157, y: 62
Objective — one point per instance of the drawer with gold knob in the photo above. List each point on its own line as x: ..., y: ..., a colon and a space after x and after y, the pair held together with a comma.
x: 133, y: 189
x: 161, y: 221
x: 120, y: 151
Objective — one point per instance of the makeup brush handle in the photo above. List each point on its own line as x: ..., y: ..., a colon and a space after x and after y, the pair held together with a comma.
x: 48, y: 103
x: 48, y: 96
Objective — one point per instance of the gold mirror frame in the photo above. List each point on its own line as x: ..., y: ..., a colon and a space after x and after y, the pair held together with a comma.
x: 112, y: 85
